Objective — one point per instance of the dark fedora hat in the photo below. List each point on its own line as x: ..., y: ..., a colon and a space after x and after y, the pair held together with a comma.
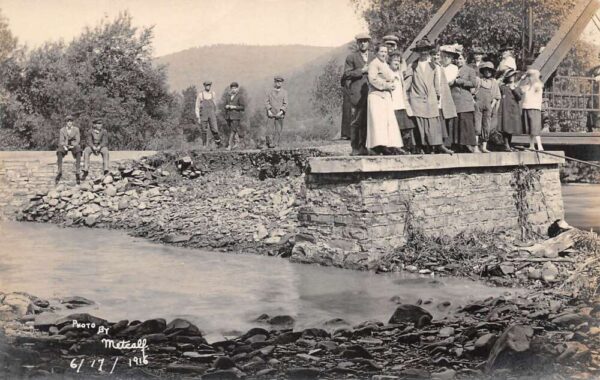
x: 423, y: 45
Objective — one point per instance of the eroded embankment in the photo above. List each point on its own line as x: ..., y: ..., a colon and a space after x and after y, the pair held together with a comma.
x: 248, y: 202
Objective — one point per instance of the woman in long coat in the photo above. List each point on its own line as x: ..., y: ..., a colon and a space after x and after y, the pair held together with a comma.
x: 382, y: 128
x: 423, y: 87
x: 464, y: 133
x: 509, y: 113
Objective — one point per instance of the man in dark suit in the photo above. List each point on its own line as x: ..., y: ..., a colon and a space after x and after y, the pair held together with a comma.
x: 97, y: 144
x: 355, y: 73
x: 234, y: 106
x: 68, y: 141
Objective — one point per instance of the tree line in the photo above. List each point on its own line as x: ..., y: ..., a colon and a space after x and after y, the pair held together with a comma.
x: 489, y: 24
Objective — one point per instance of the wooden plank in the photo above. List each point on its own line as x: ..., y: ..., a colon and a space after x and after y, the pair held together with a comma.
x: 562, y: 138
x: 435, y: 26
x: 568, y: 33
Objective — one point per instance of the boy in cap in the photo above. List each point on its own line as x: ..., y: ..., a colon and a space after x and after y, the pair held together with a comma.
x: 68, y: 141
x: 276, y: 104
x: 391, y: 41
x: 234, y: 106
x: 487, y: 96
x: 355, y: 72
x: 206, y: 113
x: 97, y: 143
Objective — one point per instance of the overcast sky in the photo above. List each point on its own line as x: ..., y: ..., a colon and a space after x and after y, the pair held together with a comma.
x: 182, y: 24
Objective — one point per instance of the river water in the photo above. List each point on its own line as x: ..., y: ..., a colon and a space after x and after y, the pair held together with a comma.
x: 222, y: 293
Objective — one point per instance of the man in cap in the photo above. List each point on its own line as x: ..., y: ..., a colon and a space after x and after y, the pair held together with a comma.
x: 276, y: 104
x: 68, y: 141
x: 97, y: 143
x: 355, y: 72
x: 234, y: 107
x: 391, y: 42
x: 478, y: 54
x: 206, y: 114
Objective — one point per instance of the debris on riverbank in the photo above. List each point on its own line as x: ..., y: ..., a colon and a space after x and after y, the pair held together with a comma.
x: 540, y: 334
x: 242, y: 201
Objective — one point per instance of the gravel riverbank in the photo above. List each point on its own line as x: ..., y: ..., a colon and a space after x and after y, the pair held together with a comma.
x: 247, y: 202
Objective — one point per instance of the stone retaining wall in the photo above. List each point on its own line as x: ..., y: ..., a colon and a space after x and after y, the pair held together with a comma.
x: 359, y: 208
x: 24, y: 173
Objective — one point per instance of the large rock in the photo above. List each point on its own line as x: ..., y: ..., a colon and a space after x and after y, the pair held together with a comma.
x: 16, y: 305
x: 514, y: 340
x: 186, y: 327
x: 82, y: 318
x: 411, y: 314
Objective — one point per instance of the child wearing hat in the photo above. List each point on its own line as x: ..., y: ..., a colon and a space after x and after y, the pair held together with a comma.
x: 234, y: 107
x: 509, y: 110
x: 487, y: 96
x: 533, y: 89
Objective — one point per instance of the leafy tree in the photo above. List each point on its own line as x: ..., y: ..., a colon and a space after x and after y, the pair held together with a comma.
x: 486, y: 23
x: 188, y: 120
x: 8, y: 42
x: 106, y: 72
x: 327, y: 94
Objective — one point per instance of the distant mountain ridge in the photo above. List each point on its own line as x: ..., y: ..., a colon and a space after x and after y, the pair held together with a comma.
x: 253, y: 67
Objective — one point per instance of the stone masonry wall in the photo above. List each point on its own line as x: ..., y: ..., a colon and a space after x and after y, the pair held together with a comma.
x: 23, y: 174
x: 350, y: 221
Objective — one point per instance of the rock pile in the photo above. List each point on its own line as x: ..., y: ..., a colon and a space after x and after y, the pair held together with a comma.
x: 92, y: 202
x: 242, y: 201
x: 534, y: 335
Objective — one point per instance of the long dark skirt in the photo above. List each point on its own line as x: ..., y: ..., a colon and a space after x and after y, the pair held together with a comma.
x: 407, y: 129
x: 451, y: 126
x: 463, y: 131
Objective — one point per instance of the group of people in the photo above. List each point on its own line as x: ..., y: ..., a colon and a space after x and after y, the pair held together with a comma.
x: 69, y: 140
x: 206, y: 113
x: 439, y: 103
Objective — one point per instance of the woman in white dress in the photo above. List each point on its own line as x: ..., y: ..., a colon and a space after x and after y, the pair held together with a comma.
x: 383, y: 134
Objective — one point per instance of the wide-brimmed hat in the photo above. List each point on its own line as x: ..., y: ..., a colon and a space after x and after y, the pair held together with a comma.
x: 362, y: 36
x: 487, y: 66
x: 449, y: 49
x: 423, y: 45
x: 510, y: 73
